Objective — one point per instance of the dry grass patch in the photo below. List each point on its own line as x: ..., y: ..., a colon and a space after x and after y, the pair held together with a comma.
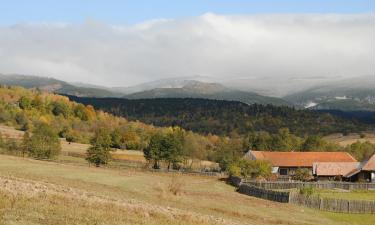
x: 350, y: 139
x: 30, y: 202
x: 197, y: 197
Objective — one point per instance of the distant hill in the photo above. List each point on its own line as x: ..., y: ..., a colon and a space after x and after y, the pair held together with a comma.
x: 357, y: 94
x: 197, y: 89
x: 177, y: 82
x: 53, y: 85
x: 223, y: 117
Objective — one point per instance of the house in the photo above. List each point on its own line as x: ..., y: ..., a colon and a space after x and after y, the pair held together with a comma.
x: 284, y: 164
x: 366, y: 172
x: 334, y: 170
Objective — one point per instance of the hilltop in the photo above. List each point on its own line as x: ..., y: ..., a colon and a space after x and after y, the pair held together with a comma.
x: 215, y: 91
x: 167, y: 88
x: 54, y: 86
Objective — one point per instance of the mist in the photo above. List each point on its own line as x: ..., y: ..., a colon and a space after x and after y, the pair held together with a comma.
x: 261, y: 52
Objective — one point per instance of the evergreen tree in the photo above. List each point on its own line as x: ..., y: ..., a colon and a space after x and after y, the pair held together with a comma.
x: 154, y: 152
x: 99, y: 152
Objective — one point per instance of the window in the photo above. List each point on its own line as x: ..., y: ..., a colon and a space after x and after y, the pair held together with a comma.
x: 283, y: 171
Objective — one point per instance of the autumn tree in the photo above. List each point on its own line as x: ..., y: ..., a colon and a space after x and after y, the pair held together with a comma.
x: 165, y: 147
x: 44, y: 143
x: 250, y: 168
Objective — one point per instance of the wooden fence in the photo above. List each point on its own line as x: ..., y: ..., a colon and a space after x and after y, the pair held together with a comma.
x: 262, y: 190
x: 319, y: 185
x: 235, y: 181
x: 276, y: 196
x: 331, y: 204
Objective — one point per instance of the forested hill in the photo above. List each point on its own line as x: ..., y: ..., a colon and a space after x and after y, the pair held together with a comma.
x: 223, y: 117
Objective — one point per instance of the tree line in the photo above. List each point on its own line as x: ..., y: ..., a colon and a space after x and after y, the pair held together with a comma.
x: 224, y: 117
x: 47, y: 117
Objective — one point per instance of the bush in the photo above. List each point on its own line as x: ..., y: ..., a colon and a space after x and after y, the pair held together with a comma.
x: 302, y: 174
x: 25, y: 102
x: 176, y: 185
x: 72, y: 136
x: 234, y: 170
x: 251, y: 169
x: 44, y: 143
x: 307, y: 191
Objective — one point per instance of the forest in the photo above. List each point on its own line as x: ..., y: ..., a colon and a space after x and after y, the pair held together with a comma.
x: 224, y: 117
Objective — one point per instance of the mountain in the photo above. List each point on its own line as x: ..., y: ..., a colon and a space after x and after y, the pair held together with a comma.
x: 176, y: 82
x: 223, y: 117
x: 197, y: 89
x: 355, y: 94
x: 53, y: 85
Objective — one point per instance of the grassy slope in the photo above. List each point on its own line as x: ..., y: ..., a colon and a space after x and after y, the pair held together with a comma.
x: 350, y: 139
x: 141, y: 198
x: 352, y: 195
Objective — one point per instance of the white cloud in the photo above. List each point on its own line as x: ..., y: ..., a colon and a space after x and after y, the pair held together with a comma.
x: 223, y: 47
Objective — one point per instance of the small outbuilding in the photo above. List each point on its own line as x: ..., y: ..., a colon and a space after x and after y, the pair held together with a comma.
x: 365, y: 173
x: 324, y: 171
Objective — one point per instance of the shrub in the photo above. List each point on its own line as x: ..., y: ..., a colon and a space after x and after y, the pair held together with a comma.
x: 44, y: 143
x: 234, y: 170
x: 25, y: 102
x: 175, y: 186
x: 250, y: 169
x: 307, y: 191
x: 302, y: 174
x: 72, y: 136
x: 2, y: 143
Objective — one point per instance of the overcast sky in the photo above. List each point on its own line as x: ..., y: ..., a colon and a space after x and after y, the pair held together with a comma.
x: 218, y: 46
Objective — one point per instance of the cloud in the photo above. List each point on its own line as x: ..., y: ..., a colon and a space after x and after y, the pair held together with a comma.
x: 219, y: 46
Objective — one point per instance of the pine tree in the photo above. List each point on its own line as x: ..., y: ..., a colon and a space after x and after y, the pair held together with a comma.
x: 99, y: 152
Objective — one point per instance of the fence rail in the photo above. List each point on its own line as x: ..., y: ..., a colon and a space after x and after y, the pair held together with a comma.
x: 264, y: 190
x: 276, y: 196
x: 332, y: 204
x: 319, y: 185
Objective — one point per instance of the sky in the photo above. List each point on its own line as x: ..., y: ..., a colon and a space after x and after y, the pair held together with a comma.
x: 123, y: 43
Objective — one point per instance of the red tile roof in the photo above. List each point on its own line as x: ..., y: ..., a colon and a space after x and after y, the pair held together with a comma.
x: 334, y: 168
x: 370, y: 164
x: 300, y: 159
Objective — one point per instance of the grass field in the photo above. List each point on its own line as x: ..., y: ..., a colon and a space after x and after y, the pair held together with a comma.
x: 350, y: 139
x: 38, y: 192
x: 68, y: 191
x: 350, y: 195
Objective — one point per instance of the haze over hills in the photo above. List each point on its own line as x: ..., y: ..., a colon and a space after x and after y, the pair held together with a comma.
x: 166, y: 88
x: 176, y: 82
x: 197, y: 89
x: 53, y: 85
x: 355, y: 94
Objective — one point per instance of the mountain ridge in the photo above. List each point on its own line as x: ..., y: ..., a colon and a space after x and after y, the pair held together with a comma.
x: 213, y: 91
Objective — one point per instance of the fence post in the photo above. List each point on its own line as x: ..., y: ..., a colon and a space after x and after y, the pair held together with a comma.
x: 348, y: 206
x: 320, y: 203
